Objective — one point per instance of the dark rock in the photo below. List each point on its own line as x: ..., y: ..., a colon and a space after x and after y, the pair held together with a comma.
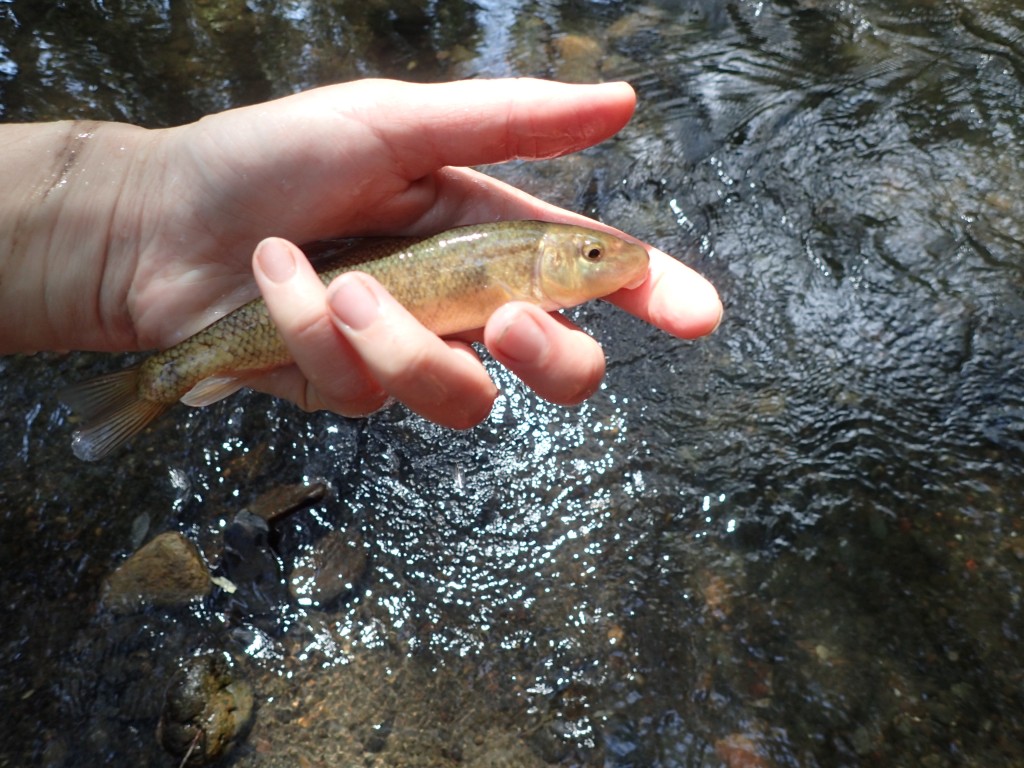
x: 250, y: 565
x: 330, y: 568
x: 375, y: 737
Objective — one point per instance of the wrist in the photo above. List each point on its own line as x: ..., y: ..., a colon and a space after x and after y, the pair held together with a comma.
x: 67, y: 239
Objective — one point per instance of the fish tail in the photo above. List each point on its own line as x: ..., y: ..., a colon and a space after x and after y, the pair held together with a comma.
x: 111, y: 412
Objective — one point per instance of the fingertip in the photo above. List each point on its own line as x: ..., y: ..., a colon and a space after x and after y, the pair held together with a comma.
x: 275, y: 259
x: 700, y: 314
x: 621, y: 90
x: 354, y: 301
x: 555, y: 359
x: 467, y: 411
x: 617, y: 99
x: 675, y: 298
x: 693, y: 311
x: 514, y: 335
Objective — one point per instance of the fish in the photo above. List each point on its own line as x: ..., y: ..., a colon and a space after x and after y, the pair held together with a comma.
x: 451, y: 282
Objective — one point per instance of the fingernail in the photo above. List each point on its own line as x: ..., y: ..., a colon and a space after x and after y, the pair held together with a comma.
x: 711, y: 301
x: 718, y: 322
x: 353, y: 303
x: 522, y: 340
x: 276, y: 260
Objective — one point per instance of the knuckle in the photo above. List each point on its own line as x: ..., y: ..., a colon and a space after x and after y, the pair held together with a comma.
x: 307, y: 329
x: 413, y: 371
x: 349, y: 403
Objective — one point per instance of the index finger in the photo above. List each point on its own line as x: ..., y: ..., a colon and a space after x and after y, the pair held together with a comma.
x: 477, y: 122
x: 674, y: 297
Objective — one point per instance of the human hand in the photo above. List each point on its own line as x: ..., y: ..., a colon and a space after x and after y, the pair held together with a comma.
x: 355, y: 346
x: 371, y: 157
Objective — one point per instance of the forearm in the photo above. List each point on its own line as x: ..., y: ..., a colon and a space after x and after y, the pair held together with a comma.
x: 65, y: 250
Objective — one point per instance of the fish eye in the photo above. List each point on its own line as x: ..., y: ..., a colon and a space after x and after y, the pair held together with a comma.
x: 592, y: 252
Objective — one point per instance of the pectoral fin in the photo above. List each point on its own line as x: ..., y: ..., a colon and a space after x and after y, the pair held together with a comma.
x: 212, y: 390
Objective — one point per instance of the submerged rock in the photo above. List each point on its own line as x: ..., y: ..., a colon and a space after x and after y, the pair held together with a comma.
x: 283, y: 500
x: 330, y: 568
x: 579, y: 58
x: 252, y: 567
x: 165, y: 573
x: 208, y: 710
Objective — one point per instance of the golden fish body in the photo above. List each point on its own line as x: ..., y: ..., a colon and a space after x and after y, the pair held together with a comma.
x: 451, y: 282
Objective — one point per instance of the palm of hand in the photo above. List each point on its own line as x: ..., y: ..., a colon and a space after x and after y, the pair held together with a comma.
x: 304, y: 173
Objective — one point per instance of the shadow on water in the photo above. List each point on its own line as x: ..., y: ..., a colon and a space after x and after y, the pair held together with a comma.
x: 796, y: 543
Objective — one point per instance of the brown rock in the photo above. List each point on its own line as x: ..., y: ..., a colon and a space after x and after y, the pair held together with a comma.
x: 208, y: 709
x: 283, y: 500
x: 167, y: 572
x: 579, y: 59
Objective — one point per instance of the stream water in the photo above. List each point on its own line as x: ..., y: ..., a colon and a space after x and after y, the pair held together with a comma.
x: 797, y: 542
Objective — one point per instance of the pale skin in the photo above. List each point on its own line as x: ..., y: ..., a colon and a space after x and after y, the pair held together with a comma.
x: 118, y: 238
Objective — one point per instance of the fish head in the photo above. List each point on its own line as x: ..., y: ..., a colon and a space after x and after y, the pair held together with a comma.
x: 577, y: 264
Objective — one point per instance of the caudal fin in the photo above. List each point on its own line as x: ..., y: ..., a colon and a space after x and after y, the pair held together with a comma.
x: 111, y: 412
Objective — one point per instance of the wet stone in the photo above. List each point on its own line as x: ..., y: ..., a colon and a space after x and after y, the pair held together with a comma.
x: 549, y: 745
x: 375, y: 737
x: 329, y: 569
x: 251, y: 566
x: 499, y: 749
x: 165, y: 573
x: 283, y: 500
x: 862, y: 741
x: 208, y: 710
x: 942, y: 712
x: 579, y: 59
x: 739, y: 750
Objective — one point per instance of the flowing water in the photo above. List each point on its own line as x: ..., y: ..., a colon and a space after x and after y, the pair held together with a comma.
x: 795, y: 543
